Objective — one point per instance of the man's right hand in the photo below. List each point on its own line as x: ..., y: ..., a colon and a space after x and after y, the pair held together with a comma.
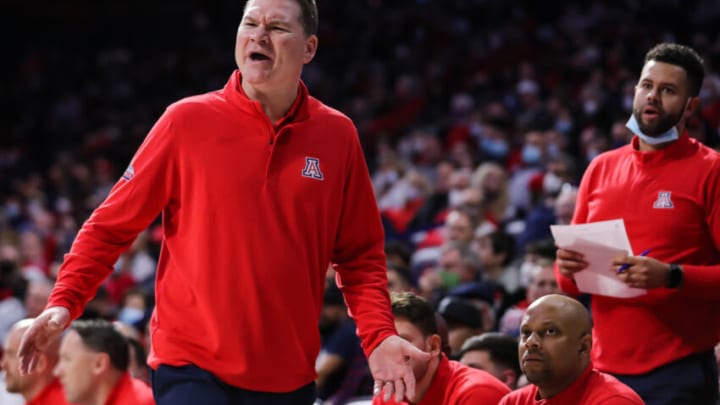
x: 44, y: 330
x: 570, y: 262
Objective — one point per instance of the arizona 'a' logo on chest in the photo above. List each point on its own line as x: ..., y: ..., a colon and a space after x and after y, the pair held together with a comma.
x: 312, y: 168
x: 664, y: 200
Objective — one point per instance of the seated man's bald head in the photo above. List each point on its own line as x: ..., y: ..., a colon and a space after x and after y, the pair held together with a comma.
x: 568, y: 309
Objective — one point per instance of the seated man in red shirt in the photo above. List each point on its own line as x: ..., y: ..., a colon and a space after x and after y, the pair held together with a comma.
x: 439, y: 381
x: 39, y: 388
x: 93, y: 367
x: 554, y: 350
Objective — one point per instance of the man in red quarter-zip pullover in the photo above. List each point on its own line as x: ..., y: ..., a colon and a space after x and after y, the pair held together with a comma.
x: 260, y: 186
x: 666, y: 187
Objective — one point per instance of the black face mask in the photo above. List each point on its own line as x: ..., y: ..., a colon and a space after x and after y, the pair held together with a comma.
x: 7, y: 269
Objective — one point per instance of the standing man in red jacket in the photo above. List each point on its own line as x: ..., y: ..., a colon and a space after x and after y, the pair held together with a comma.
x: 666, y: 187
x: 260, y: 186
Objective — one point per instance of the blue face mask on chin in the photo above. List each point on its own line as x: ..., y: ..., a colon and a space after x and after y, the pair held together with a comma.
x: 668, y: 136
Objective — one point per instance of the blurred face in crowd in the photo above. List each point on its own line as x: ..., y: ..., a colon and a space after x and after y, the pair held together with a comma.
x: 76, y: 368
x: 554, y: 343
x: 396, y: 282
x: 272, y: 46
x: 486, y: 252
x: 451, y: 262
x: 10, y: 363
x: 543, y: 283
x: 661, y: 97
x: 36, y: 297
x: 458, y: 226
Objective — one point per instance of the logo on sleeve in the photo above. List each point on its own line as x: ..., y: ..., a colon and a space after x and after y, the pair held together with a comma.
x: 312, y: 168
x: 129, y: 173
x: 663, y: 200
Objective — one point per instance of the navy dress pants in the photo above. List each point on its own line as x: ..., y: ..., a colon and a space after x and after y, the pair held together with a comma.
x: 688, y: 381
x: 190, y: 385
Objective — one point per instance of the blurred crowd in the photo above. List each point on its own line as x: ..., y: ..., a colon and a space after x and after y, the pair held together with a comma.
x: 477, y: 117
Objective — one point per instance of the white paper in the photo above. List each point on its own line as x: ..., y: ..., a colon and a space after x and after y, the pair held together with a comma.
x: 600, y: 242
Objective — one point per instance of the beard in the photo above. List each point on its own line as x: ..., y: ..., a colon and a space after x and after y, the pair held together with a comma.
x: 539, y: 376
x: 14, y: 384
x: 662, y: 123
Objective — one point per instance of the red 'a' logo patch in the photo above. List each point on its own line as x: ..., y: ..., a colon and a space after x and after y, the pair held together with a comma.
x: 312, y: 168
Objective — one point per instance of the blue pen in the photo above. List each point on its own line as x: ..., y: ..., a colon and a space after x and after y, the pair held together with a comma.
x: 625, y: 266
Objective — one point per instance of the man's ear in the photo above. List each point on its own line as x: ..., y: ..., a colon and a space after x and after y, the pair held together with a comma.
x: 434, y: 344
x: 586, y: 344
x: 509, y: 377
x: 100, y: 363
x: 311, y: 45
x: 692, y: 105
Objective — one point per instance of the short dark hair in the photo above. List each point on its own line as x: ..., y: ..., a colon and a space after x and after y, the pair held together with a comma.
x: 503, y: 242
x: 503, y: 349
x: 309, y: 17
x: 100, y: 336
x: 415, y: 310
x: 683, y: 56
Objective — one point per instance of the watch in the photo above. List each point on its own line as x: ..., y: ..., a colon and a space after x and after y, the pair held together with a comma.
x: 675, y: 276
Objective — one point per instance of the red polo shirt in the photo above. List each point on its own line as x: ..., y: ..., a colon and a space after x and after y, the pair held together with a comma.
x: 591, y: 388
x: 456, y: 384
x: 52, y: 394
x: 129, y: 390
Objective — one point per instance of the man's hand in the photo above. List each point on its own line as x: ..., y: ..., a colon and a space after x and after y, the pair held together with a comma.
x: 390, y: 365
x: 642, y: 271
x: 570, y: 262
x: 45, y: 329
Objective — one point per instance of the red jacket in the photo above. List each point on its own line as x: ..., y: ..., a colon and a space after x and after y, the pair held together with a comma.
x: 252, y: 216
x: 52, y: 394
x: 591, y: 388
x: 128, y: 391
x: 670, y: 202
x: 456, y: 384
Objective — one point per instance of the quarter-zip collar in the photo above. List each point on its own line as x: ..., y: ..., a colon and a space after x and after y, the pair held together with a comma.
x: 682, y: 147
x: 236, y: 96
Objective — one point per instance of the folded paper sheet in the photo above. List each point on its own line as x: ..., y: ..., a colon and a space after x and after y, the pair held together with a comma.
x: 600, y: 242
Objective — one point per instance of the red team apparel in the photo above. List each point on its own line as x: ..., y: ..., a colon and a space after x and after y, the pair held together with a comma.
x: 670, y: 202
x: 591, y: 388
x: 232, y: 300
x: 128, y: 391
x: 52, y: 394
x: 456, y: 384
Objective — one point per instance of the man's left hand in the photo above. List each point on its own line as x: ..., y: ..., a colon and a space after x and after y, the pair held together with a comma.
x: 643, y: 271
x: 390, y: 365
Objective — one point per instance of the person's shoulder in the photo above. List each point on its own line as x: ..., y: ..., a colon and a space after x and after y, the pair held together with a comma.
x: 607, y: 389
x: 196, y: 102
x: 707, y: 153
x: 142, y: 392
x: 520, y: 396
x: 612, y: 155
x: 328, y: 115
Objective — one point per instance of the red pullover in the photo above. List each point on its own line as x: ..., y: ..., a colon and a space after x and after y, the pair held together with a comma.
x: 590, y: 388
x: 670, y: 202
x: 457, y: 384
x: 252, y: 216
x: 51, y: 394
